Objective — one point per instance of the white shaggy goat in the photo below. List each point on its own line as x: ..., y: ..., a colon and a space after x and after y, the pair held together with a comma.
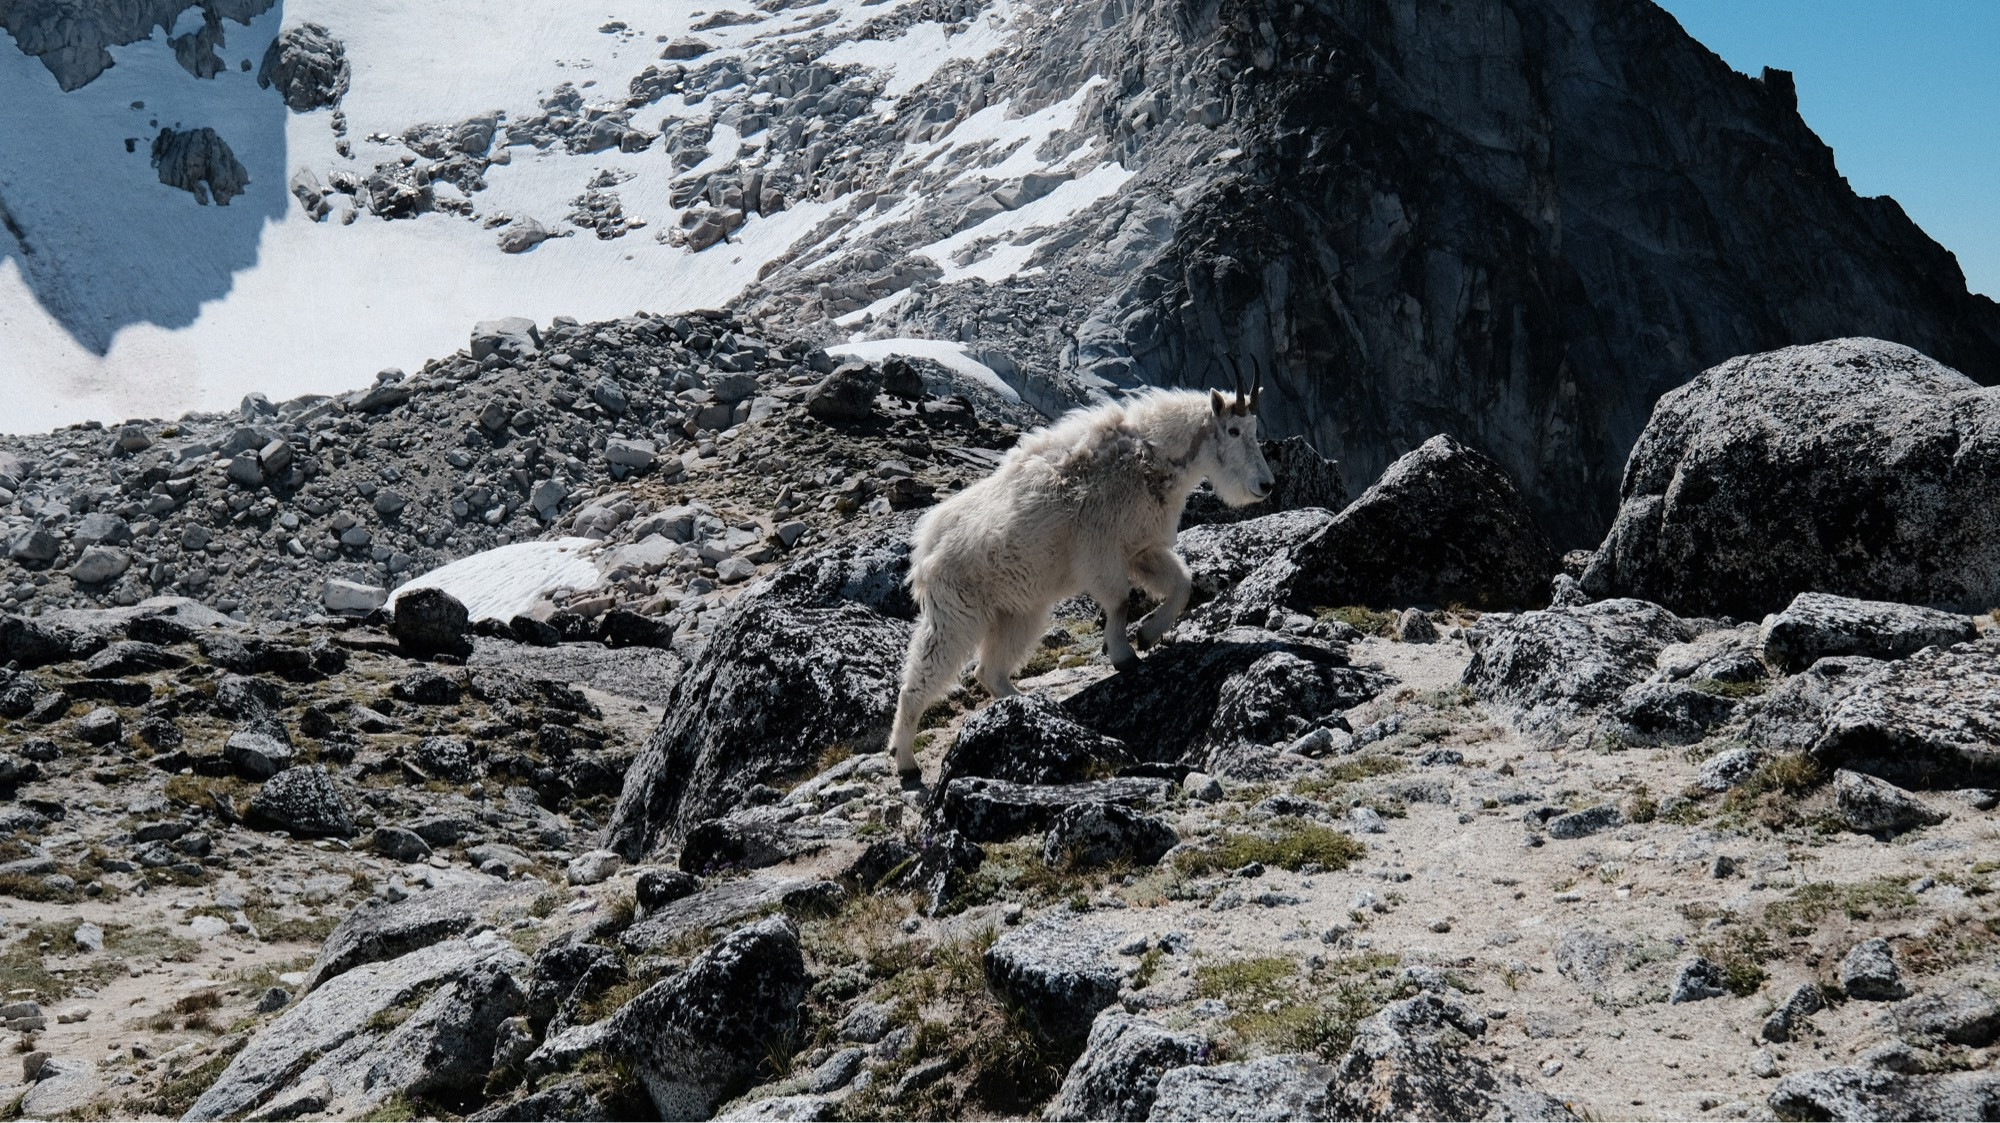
x: 1089, y: 504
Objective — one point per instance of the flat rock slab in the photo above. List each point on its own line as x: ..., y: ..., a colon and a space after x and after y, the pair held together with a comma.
x: 1929, y: 721
x: 1058, y: 971
x: 725, y: 904
x: 1546, y: 669
x: 378, y: 930
x: 1287, y: 1086
x: 993, y: 810
x: 1816, y: 625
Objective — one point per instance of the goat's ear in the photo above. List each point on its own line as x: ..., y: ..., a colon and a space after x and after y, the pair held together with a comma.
x: 1216, y: 403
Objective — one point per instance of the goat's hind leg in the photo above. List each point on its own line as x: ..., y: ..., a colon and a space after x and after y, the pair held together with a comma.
x: 935, y: 659
x: 1162, y: 573
x: 1010, y: 636
x: 1117, y: 648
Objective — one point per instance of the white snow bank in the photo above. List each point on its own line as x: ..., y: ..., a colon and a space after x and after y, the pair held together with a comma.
x: 947, y: 352
x: 506, y: 581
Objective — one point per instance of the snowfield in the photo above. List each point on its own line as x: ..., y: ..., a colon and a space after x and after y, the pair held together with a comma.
x: 125, y: 298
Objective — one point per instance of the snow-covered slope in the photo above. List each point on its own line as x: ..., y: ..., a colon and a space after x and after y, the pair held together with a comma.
x: 125, y: 297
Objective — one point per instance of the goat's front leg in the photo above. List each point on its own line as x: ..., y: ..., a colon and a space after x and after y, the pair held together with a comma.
x: 1116, y: 615
x: 1162, y: 573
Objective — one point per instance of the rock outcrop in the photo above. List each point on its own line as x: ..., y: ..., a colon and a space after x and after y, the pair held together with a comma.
x: 308, y: 65
x: 199, y: 162
x: 1854, y: 467
x: 71, y: 39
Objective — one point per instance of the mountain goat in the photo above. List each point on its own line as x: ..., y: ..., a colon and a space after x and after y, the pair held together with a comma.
x: 1089, y: 504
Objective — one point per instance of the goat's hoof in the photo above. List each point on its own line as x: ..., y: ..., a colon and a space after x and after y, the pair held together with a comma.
x: 1127, y: 664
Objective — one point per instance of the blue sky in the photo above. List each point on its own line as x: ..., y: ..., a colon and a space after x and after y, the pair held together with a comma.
x: 1907, y: 92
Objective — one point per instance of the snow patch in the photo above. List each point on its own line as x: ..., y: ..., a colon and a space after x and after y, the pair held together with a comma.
x: 951, y: 354
x: 506, y: 581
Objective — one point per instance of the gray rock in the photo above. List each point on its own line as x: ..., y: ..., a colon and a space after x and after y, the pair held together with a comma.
x: 1545, y: 669
x: 1120, y: 1069
x: 1058, y: 971
x: 199, y: 162
x: 1872, y: 1094
x: 637, y: 455
x: 302, y: 801
x: 1028, y: 739
x: 1854, y: 467
x: 1408, y: 1062
x: 593, y: 867
x: 308, y: 66
x: 513, y: 338
x: 1931, y: 720
x: 1219, y: 555
x: 257, y: 754
x: 1868, y: 805
x: 399, y: 845
x: 1868, y: 970
x: 848, y: 394
x: 1695, y: 980
x: 724, y: 904
x: 837, y: 1071
x: 329, y: 1029
x: 98, y: 564
x: 377, y: 930
x: 1816, y: 625
x: 1789, y: 1018
x: 1087, y: 835
x: 62, y: 1086
x: 693, y: 1036
x: 522, y: 235
x: 1444, y: 524
x: 131, y: 657
x: 1286, y: 1086
x: 1668, y: 713
x: 1590, y: 820
x: 1960, y: 1016
x: 101, y: 726
x: 1729, y: 768
x: 995, y: 810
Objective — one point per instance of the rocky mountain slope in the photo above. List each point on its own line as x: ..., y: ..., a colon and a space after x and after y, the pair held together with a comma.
x: 1517, y: 225
x: 631, y: 850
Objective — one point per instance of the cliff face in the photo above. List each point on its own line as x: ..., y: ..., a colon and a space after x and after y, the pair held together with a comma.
x: 1518, y: 223
x: 70, y: 36
x: 1521, y: 224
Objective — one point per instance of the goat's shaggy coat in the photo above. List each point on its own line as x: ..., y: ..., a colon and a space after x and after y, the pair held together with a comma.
x: 1088, y: 504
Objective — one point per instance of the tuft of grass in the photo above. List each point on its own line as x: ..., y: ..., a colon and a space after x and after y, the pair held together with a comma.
x: 1244, y: 981
x: 1292, y: 844
x: 1149, y: 965
x: 1741, y: 952
x: 1750, y: 689
x: 1367, y: 621
x: 1798, y: 913
x: 180, y: 1090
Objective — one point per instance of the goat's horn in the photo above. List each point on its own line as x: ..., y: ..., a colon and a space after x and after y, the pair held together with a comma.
x: 1257, y: 387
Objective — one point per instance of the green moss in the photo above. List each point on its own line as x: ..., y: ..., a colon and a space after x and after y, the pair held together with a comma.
x: 1292, y: 844
x: 1367, y: 621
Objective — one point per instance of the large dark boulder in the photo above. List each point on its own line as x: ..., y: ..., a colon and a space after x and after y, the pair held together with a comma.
x: 800, y: 662
x: 1853, y: 466
x: 1028, y: 739
x: 430, y: 622
x: 1443, y: 525
x: 308, y: 65
x: 1220, y: 555
x: 699, y: 1035
x: 302, y: 801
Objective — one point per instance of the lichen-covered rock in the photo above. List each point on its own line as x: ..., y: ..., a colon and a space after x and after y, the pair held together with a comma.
x: 1866, y: 804
x: 995, y: 810
x: 1058, y: 971
x: 755, y: 838
x: 1408, y: 1062
x: 1285, y: 1086
x: 1668, y: 713
x: 1280, y: 697
x: 1220, y: 555
x: 302, y: 801
x: 1546, y: 669
x: 792, y: 668
x: 1443, y: 525
x: 199, y: 162
x: 1087, y: 835
x: 1960, y: 1016
x: 1852, y: 466
x: 1869, y: 970
x: 378, y: 930
x: 1929, y: 721
x: 565, y: 974
x: 1119, y: 1072
x: 445, y: 1049
x: 1816, y: 625
x: 1871, y: 1094
x: 724, y: 904
x: 335, y: 1031
x: 1790, y: 718
x: 1028, y: 739
x: 1167, y: 710
x: 308, y: 65
x: 697, y: 1036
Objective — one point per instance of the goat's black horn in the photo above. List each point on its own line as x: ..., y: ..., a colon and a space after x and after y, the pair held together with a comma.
x: 1257, y: 387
